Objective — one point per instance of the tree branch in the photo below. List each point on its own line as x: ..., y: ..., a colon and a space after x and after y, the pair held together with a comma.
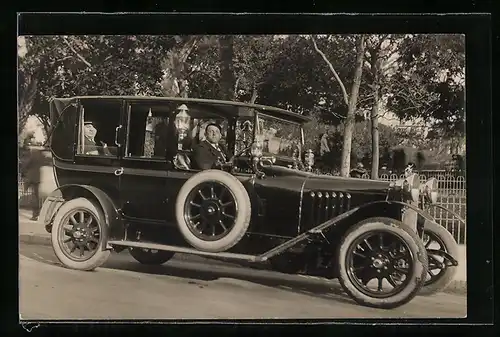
x: 187, y: 49
x: 330, y: 65
x: 65, y: 39
x: 60, y: 60
x: 236, y: 83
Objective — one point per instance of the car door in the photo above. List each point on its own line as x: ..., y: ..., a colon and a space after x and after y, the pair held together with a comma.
x: 98, y: 158
x: 143, y: 177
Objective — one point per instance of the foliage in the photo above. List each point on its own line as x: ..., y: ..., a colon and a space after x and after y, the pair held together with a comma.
x: 300, y: 80
x: 90, y: 65
x: 361, y: 142
x: 422, y: 77
x: 430, y: 83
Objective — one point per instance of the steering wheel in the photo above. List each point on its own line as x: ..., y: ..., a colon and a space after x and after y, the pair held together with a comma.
x: 239, y: 153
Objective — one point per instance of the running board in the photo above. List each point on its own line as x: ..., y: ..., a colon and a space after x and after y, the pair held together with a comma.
x: 184, y: 250
x: 242, y: 257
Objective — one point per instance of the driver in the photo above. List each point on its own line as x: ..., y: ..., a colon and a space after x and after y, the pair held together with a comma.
x: 209, y: 153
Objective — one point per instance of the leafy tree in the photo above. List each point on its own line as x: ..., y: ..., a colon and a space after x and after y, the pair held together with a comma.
x: 88, y: 65
x: 362, y: 143
x: 430, y: 85
x: 298, y: 78
x: 349, y: 99
x: 381, y: 58
x: 228, y: 78
x: 234, y: 67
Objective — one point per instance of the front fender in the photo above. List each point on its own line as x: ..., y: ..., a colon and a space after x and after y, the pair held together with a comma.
x: 414, y: 217
x: 112, y: 214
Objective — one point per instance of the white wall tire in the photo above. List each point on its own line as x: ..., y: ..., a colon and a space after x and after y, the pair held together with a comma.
x: 73, y: 235
x: 381, y: 260
x: 213, y: 211
x: 438, y: 281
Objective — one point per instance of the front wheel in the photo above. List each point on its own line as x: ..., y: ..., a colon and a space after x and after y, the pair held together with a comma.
x: 79, y: 235
x: 382, y: 263
x: 150, y: 256
x: 441, y: 273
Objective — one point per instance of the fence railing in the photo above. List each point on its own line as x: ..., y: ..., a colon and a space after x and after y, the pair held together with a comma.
x: 452, y: 195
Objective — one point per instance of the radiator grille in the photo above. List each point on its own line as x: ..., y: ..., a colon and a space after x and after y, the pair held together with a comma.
x: 325, y: 205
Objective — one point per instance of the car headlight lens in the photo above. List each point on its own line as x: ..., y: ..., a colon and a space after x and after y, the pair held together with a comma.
x: 256, y: 149
x: 430, y: 190
x: 410, y: 185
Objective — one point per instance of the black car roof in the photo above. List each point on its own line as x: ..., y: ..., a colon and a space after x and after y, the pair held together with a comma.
x: 273, y: 111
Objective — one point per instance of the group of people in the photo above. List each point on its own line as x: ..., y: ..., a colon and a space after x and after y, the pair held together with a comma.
x: 207, y: 154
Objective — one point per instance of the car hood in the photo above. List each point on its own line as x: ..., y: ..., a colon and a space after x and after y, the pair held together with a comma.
x: 315, y: 182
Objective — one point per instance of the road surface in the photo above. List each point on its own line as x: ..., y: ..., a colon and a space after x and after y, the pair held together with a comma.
x: 124, y: 289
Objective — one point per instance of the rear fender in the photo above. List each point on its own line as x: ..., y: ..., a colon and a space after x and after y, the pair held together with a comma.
x: 112, y: 214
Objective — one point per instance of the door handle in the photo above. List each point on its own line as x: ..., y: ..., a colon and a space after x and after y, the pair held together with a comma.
x: 116, y: 135
x: 119, y: 172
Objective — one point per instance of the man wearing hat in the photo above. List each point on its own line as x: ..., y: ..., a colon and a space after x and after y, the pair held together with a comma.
x: 89, y: 145
x: 209, y: 153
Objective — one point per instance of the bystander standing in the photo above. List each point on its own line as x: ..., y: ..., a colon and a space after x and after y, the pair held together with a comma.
x: 31, y: 170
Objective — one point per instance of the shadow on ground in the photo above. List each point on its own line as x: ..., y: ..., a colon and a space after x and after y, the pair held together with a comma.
x: 203, y: 275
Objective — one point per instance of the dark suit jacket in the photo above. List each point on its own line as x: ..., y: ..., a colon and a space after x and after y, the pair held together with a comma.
x: 205, y: 155
x: 37, y: 159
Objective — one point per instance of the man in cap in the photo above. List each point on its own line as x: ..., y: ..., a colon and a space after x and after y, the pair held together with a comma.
x: 89, y: 145
x: 209, y: 153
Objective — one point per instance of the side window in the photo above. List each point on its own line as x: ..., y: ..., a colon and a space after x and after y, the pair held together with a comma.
x: 97, y: 128
x: 63, y: 137
x: 243, y: 133
x: 148, y: 132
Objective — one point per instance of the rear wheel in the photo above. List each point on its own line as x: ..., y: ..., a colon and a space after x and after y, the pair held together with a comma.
x: 79, y: 235
x: 382, y: 263
x: 150, y: 256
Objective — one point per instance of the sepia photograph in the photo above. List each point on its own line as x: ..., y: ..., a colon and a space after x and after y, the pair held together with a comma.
x: 195, y: 177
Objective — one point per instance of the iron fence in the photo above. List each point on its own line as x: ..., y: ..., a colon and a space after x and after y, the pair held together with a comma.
x: 452, y: 196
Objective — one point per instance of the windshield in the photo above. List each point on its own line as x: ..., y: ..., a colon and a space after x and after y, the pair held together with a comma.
x: 279, y: 137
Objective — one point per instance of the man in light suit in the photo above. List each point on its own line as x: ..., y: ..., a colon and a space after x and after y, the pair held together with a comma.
x: 32, y: 172
x: 209, y: 153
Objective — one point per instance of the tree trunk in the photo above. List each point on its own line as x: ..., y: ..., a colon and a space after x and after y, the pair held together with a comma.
x: 228, y: 79
x: 376, y: 70
x: 175, y: 83
x: 345, y: 165
x: 254, y: 95
x: 375, y: 133
x: 26, y: 101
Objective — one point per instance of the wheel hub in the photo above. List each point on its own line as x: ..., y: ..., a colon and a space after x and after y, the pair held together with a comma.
x: 380, y: 262
x: 210, y: 210
x: 81, y: 234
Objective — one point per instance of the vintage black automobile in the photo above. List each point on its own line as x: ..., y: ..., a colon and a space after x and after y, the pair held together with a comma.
x: 125, y: 180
